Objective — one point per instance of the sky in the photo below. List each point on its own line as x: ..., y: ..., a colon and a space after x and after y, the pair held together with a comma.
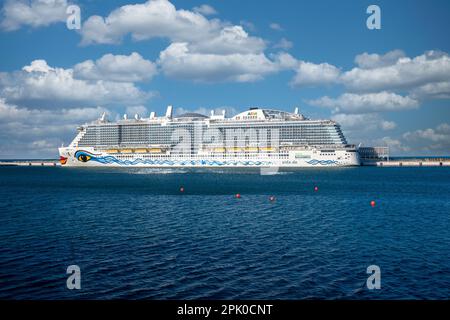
x: 386, y: 87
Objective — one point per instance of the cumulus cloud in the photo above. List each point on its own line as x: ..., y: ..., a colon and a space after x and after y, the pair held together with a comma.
x: 177, y: 61
x: 205, y: 10
x: 311, y: 74
x: 233, y: 39
x: 36, y: 133
x: 363, y: 122
x: 439, y: 134
x: 431, y: 139
x: 34, y: 13
x: 120, y: 68
x: 154, y: 18
x: 436, y: 90
x: 396, y: 146
x: 426, y: 76
x: 370, y: 102
x: 371, y: 61
x: 160, y: 19
x: 403, y: 74
x: 40, y: 84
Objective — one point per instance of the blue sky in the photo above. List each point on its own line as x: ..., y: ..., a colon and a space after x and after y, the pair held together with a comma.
x: 386, y: 87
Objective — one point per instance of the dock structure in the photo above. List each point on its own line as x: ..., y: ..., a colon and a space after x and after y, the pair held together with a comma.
x: 34, y: 163
x: 379, y: 156
x: 408, y: 163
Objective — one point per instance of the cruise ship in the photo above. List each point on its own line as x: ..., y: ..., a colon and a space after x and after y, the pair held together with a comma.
x: 257, y: 137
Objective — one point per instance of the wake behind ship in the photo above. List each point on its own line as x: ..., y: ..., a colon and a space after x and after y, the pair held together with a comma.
x: 253, y: 138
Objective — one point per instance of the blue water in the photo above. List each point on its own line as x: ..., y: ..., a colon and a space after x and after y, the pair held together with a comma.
x: 135, y: 236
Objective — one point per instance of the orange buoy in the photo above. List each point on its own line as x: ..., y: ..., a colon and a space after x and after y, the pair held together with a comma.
x: 238, y: 196
x: 372, y: 203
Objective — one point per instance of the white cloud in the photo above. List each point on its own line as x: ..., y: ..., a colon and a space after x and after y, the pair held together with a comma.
x: 436, y: 90
x: 275, y: 26
x: 370, y: 102
x: 177, y: 61
x: 405, y: 73
x: 372, y: 61
x: 439, y: 134
x: 310, y: 74
x: 426, y: 76
x: 28, y: 132
x: 34, y: 13
x: 431, y: 139
x: 160, y: 19
x: 40, y: 84
x: 154, y: 18
x: 362, y: 122
x: 233, y: 39
x: 395, y: 145
x: 205, y: 10
x: 283, y: 44
x: 285, y: 61
x: 120, y: 68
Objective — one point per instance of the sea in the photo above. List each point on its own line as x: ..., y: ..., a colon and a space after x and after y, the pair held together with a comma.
x: 316, y: 233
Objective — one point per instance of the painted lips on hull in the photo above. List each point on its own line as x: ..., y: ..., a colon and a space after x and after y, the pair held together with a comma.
x: 62, y: 160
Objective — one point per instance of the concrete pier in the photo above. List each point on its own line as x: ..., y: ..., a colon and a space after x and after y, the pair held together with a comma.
x: 27, y: 163
x: 407, y: 163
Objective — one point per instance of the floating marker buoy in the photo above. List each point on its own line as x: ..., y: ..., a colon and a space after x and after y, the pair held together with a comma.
x: 182, y: 189
x: 238, y: 195
x: 372, y: 203
x: 316, y: 188
x: 272, y: 198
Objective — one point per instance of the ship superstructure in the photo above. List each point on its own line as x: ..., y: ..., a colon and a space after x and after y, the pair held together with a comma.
x: 254, y: 138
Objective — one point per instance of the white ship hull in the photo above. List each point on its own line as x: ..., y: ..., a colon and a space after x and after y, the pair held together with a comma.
x: 89, y: 157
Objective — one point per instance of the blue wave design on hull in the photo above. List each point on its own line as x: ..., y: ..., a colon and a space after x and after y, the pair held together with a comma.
x: 321, y: 162
x: 112, y: 159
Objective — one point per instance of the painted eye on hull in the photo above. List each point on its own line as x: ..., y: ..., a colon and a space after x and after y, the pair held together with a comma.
x: 84, y: 158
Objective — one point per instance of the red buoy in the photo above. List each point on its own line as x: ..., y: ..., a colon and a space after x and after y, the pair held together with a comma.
x: 272, y: 198
x: 372, y: 203
x: 182, y: 189
x: 316, y: 188
x: 238, y: 196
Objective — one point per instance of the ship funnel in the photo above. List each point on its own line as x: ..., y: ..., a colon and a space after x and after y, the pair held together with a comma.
x: 296, y: 110
x: 212, y: 113
x: 169, y: 112
x: 152, y: 115
x: 224, y: 112
x: 125, y: 117
x: 103, y: 117
x: 136, y: 116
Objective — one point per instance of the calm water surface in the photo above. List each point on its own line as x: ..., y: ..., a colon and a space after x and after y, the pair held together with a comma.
x: 135, y: 236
